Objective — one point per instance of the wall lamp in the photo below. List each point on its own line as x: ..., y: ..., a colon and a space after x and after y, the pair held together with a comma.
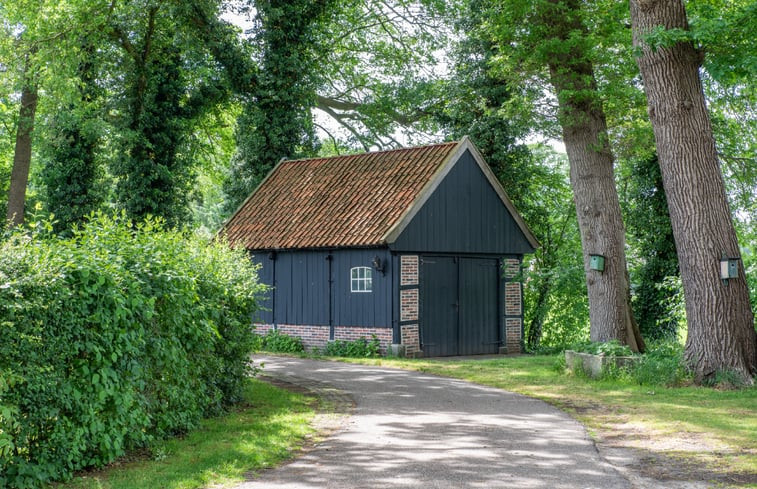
x: 379, y: 265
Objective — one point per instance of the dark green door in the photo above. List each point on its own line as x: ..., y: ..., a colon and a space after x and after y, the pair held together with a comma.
x: 458, y: 299
x: 478, y: 327
x: 439, y: 306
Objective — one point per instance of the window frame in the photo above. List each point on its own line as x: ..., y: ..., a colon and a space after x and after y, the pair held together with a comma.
x: 356, y: 279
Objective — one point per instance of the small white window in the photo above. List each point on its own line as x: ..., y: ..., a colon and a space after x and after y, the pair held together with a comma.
x: 360, y: 279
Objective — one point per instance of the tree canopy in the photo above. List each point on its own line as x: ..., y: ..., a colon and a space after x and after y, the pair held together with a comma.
x: 171, y: 109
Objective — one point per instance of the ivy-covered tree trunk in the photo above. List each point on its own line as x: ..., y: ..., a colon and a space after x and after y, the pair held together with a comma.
x: 22, y: 157
x: 153, y: 176
x: 277, y: 122
x: 72, y: 176
x: 721, y: 333
x: 586, y: 141
x: 647, y: 209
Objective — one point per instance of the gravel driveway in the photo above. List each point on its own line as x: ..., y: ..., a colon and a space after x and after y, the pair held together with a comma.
x: 410, y: 429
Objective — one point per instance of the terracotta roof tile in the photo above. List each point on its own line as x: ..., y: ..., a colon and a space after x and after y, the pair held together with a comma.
x: 350, y: 200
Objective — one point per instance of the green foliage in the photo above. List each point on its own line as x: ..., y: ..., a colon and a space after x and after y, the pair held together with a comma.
x: 471, y: 107
x: 726, y: 379
x: 379, y: 75
x: 276, y: 121
x: 646, y: 208
x: 165, y: 78
x: 662, y: 364
x: 211, y: 147
x: 120, y: 335
x: 73, y: 175
x: 674, y: 307
x: 154, y: 178
x: 277, y: 342
x: 556, y: 311
x: 265, y: 430
x: 360, y: 348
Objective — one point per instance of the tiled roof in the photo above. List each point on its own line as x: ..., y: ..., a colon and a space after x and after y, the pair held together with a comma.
x: 342, y: 201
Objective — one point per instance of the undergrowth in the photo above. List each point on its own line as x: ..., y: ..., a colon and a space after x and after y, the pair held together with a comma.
x: 276, y: 342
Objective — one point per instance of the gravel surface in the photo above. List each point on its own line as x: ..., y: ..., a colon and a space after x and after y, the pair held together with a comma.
x: 413, y: 430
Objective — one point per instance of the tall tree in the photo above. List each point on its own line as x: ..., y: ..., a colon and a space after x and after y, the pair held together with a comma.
x: 35, y: 43
x: 277, y: 121
x: 557, y: 38
x: 73, y: 175
x: 22, y: 156
x: 153, y: 177
x: 168, y: 79
x: 721, y: 334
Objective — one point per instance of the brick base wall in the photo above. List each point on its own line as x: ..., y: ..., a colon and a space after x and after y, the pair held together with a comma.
x: 513, y: 335
x: 311, y: 336
x: 318, y: 336
x: 411, y: 340
x: 262, y: 329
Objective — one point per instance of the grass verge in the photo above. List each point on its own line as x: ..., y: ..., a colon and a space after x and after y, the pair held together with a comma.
x: 262, y: 432
x: 713, y: 432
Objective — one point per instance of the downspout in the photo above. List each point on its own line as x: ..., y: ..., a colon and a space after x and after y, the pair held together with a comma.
x: 330, y: 259
x: 272, y: 257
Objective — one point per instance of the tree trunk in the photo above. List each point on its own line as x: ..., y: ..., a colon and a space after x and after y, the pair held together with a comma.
x: 591, y: 175
x: 22, y: 156
x: 721, y: 333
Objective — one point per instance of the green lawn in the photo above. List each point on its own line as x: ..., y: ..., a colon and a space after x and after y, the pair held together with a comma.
x: 272, y: 425
x: 706, y: 427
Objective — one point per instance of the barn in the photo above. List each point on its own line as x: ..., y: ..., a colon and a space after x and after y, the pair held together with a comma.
x: 418, y: 246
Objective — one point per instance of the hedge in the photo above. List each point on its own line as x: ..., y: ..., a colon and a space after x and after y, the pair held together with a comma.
x: 120, y: 335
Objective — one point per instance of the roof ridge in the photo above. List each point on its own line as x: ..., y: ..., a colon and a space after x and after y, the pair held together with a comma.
x: 366, y: 153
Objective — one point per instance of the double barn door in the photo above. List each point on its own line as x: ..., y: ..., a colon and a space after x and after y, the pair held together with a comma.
x: 459, y: 306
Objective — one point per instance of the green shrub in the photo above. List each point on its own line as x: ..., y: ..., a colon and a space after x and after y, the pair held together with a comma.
x: 117, y: 336
x: 662, y: 364
x: 276, y: 342
x: 361, y: 347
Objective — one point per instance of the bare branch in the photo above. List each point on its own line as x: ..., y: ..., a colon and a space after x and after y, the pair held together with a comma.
x: 406, y: 120
x: 340, y: 119
x: 331, y: 136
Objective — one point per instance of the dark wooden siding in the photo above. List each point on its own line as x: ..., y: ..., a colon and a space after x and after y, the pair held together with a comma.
x: 300, y: 289
x: 439, y: 306
x: 479, y: 306
x: 301, y: 295
x: 463, y: 215
x: 265, y: 276
x: 359, y: 308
